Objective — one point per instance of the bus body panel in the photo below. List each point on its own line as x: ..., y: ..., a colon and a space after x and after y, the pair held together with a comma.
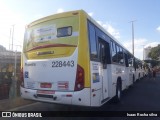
x: 74, y: 98
x: 82, y: 97
x: 83, y: 48
x: 111, y: 84
x: 37, y: 72
x: 50, y: 62
x: 118, y: 71
x: 96, y: 83
x: 130, y: 73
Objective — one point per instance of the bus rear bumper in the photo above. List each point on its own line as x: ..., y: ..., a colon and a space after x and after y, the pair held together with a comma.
x: 75, y: 98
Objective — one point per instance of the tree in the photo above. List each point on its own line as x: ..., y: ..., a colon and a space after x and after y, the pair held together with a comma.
x: 155, y: 53
x: 153, y: 63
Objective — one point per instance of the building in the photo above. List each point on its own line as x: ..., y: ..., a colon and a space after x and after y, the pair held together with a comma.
x: 9, y: 65
x: 146, y: 52
x: 8, y: 59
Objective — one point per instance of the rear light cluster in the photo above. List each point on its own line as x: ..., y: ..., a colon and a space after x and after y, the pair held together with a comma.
x: 21, y: 78
x: 79, y: 84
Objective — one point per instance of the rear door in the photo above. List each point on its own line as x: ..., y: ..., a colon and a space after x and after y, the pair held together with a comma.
x: 103, y: 61
x: 100, y: 57
x: 99, y: 75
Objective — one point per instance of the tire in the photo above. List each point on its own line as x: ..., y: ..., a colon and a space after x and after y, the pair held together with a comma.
x: 133, y: 79
x: 118, y: 92
x: 139, y: 77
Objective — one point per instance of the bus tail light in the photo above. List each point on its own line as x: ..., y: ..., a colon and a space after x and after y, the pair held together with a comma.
x: 21, y: 78
x: 79, y: 83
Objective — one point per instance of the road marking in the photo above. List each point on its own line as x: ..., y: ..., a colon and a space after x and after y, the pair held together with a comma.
x: 14, y: 109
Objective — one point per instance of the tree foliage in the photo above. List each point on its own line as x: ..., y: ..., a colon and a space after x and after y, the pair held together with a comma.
x: 152, y: 62
x: 155, y: 53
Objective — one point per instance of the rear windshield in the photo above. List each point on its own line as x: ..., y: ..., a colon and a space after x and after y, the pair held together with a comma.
x: 64, y: 31
x: 57, y: 31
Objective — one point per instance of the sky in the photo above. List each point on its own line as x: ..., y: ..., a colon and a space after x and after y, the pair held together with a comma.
x: 114, y: 15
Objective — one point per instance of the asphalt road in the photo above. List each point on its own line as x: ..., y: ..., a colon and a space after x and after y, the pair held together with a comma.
x: 144, y: 95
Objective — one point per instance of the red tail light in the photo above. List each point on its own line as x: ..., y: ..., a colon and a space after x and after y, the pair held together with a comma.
x: 79, y: 84
x: 22, y: 78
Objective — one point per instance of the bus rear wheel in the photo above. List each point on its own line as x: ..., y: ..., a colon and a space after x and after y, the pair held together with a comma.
x: 118, y: 92
x: 133, y: 79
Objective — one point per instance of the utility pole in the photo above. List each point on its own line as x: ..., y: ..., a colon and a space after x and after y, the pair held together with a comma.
x: 12, y: 36
x: 132, y: 35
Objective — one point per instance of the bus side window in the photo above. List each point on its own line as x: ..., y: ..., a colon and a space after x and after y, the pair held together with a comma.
x: 130, y: 60
x: 121, y: 57
x: 118, y: 54
x: 104, y: 52
x: 92, y: 41
x: 126, y: 59
x: 103, y: 56
x: 114, y: 56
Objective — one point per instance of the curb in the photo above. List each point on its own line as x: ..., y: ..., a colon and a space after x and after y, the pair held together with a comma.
x: 8, y: 104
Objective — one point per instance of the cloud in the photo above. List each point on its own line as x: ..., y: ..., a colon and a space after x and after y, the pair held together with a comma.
x: 38, y: 16
x: 152, y: 44
x: 90, y: 14
x: 158, y: 29
x: 109, y: 28
x: 139, y: 43
x: 10, y: 18
x: 60, y: 10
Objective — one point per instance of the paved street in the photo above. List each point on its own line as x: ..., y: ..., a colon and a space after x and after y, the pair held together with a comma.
x: 143, y: 96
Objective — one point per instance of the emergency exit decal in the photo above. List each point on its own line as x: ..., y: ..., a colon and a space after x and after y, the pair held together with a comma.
x: 95, y: 77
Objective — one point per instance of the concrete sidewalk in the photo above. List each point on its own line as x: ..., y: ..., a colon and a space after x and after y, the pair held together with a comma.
x: 7, y: 104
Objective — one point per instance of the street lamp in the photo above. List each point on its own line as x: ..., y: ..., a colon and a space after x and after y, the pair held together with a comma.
x: 12, y: 36
x: 132, y: 35
x: 15, y: 61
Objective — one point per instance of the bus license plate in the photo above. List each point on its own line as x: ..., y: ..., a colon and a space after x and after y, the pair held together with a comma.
x: 45, y: 92
x: 45, y: 85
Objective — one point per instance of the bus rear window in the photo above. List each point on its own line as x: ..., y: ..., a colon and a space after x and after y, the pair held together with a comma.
x: 64, y: 31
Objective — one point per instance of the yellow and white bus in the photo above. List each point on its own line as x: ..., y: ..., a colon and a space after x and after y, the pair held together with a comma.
x: 68, y: 58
